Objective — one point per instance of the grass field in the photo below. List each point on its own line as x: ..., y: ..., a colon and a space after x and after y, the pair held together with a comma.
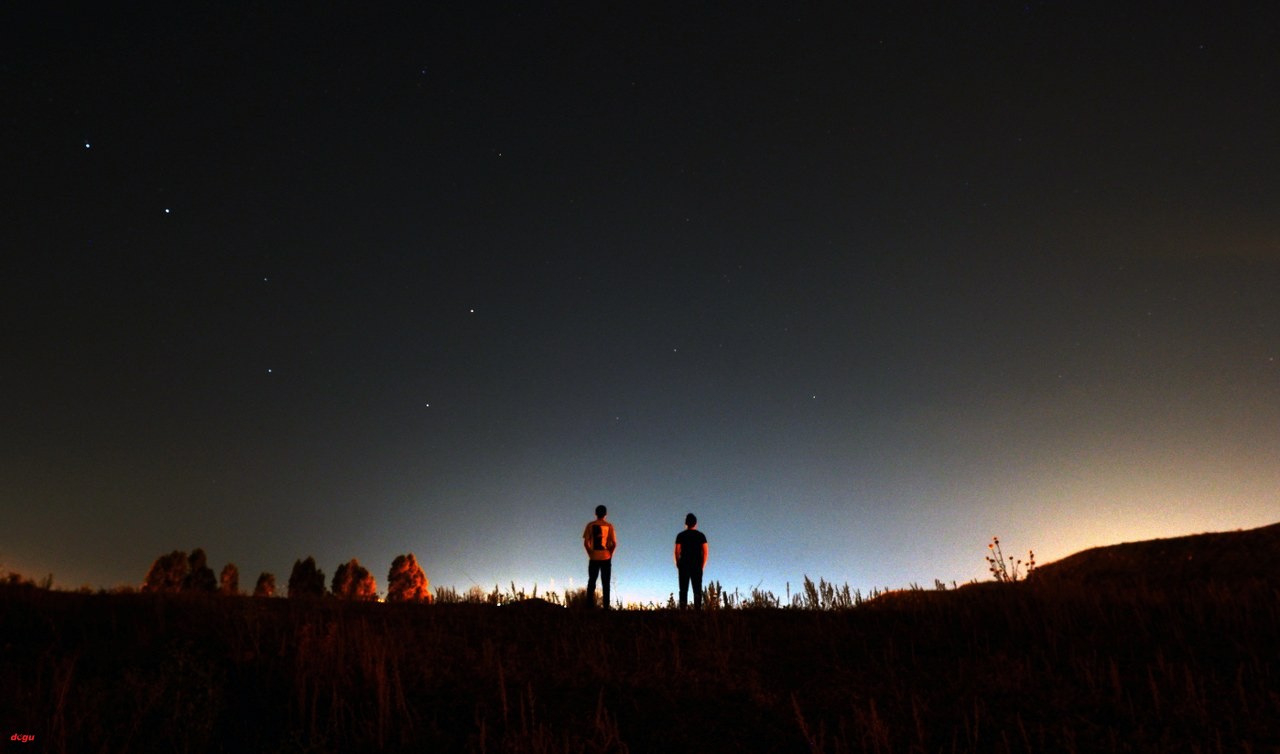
x: 1049, y: 665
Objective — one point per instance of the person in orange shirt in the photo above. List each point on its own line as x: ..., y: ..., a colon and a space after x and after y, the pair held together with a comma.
x: 600, y: 540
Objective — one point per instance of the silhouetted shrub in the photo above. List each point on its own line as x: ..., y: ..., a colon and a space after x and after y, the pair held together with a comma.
x: 168, y: 573
x: 1008, y: 571
x: 229, y: 582
x: 199, y: 575
x: 306, y: 580
x: 353, y: 581
x: 266, y: 586
x: 406, y: 582
x: 18, y: 580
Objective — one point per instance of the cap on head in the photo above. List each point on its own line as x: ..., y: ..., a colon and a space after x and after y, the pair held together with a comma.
x: 601, y: 511
x: 690, y: 520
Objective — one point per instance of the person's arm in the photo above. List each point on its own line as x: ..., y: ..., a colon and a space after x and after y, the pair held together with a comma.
x: 677, y: 556
x: 613, y: 540
x: 705, y: 550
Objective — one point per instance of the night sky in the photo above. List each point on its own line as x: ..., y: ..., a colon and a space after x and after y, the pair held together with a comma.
x: 860, y: 288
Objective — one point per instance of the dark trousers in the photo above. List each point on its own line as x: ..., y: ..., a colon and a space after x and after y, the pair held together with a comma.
x: 602, y: 569
x: 691, y: 576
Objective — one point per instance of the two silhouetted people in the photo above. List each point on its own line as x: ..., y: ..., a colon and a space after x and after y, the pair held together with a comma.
x: 600, y: 540
x: 691, y: 558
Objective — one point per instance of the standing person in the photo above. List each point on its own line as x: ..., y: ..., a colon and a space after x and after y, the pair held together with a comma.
x: 691, y: 558
x: 600, y: 540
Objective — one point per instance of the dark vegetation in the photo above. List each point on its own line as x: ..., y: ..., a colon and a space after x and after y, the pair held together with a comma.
x: 1120, y: 649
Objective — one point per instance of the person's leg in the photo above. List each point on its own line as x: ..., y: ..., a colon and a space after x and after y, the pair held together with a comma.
x: 684, y: 588
x: 593, y: 570
x: 696, y: 578
x: 606, y: 571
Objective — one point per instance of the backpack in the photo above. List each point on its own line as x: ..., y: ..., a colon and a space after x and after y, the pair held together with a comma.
x: 600, y: 537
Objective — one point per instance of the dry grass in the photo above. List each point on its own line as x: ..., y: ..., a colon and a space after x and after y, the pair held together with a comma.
x: 1040, y: 666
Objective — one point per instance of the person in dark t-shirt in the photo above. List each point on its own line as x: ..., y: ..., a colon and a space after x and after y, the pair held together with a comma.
x: 691, y: 558
x: 599, y: 539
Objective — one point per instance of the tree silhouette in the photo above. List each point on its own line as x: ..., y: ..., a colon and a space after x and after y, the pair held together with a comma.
x: 168, y: 573
x: 306, y: 580
x: 406, y: 581
x: 200, y: 575
x: 266, y: 586
x: 353, y: 581
x: 229, y: 582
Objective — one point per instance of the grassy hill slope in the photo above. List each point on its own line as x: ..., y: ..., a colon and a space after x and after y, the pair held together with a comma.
x: 1187, y: 561
x: 1057, y: 664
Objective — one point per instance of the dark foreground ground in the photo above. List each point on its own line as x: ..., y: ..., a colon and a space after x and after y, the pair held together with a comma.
x: 1049, y: 667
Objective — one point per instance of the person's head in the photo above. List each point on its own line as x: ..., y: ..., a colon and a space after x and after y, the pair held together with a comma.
x: 691, y: 520
x: 601, y: 511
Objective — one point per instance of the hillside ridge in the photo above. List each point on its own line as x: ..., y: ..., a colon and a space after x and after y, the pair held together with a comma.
x: 1245, y: 554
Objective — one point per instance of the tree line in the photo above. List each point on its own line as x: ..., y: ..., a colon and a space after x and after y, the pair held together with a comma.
x: 179, y: 572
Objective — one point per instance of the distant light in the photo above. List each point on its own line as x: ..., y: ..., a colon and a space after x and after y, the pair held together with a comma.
x: 87, y: 145
x: 268, y: 370
x: 166, y: 210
